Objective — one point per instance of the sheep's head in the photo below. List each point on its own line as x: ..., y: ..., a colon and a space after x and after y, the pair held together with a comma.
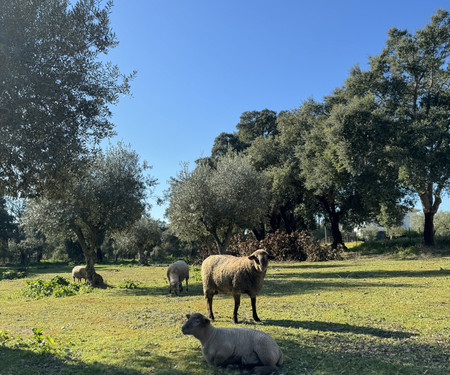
x: 174, y: 286
x: 196, y: 322
x: 260, y: 259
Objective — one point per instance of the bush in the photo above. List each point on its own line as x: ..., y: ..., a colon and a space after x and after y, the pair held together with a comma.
x: 58, y: 286
x: 11, y: 274
x: 295, y: 246
x: 129, y: 284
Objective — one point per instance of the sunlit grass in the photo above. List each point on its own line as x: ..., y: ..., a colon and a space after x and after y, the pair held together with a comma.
x: 361, y: 316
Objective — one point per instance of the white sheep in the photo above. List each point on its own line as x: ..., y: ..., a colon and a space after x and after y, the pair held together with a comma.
x: 79, y: 272
x: 176, y: 273
x: 236, y: 275
x: 234, y: 346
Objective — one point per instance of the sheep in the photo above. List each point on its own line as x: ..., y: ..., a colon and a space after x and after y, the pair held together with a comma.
x: 79, y: 272
x: 234, y: 346
x: 176, y: 273
x: 236, y: 275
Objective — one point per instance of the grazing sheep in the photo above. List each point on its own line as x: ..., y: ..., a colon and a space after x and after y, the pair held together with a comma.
x: 176, y: 273
x: 79, y: 272
x: 234, y: 346
x: 237, y: 275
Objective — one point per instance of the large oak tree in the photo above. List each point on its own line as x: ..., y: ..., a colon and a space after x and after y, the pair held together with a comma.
x: 410, y: 79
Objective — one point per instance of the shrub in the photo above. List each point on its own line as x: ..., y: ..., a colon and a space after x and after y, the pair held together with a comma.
x: 11, y: 274
x: 295, y: 246
x: 129, y: 284
x: 58, y: 286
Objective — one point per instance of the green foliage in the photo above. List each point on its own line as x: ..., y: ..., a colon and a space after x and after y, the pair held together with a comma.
x: 214, y: 201
x: 12, y: 274
x: 129, y: 284
x: 58, y: 286
x: 54, y: 83
x: 37, y: 342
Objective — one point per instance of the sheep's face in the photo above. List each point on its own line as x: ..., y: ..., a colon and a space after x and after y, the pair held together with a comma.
x: 195, y: 323
x: 174, y: 287
x: 260, y: 259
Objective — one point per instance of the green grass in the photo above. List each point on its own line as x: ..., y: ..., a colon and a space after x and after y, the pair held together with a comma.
x: 360, y: 316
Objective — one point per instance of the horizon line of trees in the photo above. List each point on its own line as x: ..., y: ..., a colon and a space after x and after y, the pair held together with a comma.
x: 362, y: 154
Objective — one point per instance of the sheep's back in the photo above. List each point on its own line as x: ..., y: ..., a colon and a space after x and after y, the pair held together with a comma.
x: 227, y: 273
x: 179, y: 268
x: 250, y: 347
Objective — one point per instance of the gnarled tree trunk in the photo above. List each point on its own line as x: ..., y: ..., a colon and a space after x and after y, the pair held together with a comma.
x: 90, y: 256
x: 429, y: 210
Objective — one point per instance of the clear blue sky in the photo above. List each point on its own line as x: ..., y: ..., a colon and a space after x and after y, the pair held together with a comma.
x: 201, y: 63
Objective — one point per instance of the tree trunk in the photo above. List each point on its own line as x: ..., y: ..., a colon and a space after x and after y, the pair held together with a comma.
x: 335, y: 231
x: 260, y: 232
x: 142, y: 258
x: 90, y: 256
x: 288, y: 219
x: 275, y: 221
x: 428, y: 230
x: 334, y: 218
x: 429, y: 210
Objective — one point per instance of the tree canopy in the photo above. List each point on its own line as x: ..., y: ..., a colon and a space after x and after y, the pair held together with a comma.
x: 214, y: 201
x: 410, y: 80
x: 55, y: 89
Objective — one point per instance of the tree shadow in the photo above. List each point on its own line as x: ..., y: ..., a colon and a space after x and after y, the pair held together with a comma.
x: 27, y: 362
x: 380, y: 274
x: 276, y: 286
x: 339, y: 328
x: 344, y: 355
x: 194, y: 290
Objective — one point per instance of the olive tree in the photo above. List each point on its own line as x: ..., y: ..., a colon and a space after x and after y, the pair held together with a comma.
x: 55, y: 90
x: 215, y: 201
x: 108, y: 196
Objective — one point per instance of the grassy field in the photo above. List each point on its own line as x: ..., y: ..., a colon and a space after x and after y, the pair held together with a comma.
x: 358, y: 316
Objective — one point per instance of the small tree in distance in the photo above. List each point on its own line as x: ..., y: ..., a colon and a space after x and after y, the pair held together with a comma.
x: 108, y: 196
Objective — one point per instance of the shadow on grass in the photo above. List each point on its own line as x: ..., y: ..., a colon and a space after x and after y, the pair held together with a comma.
x: 194, y: 290
x: 339, y: 328
x: 27, y: 362
x: 274, y: 287
x: 380, y: 274
x: 330, y: 355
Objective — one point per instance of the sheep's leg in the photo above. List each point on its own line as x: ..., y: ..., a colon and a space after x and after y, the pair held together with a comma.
x: 237, y: 302
x: 255, y: 315
x: 209, y: 300
x: 187, y: 290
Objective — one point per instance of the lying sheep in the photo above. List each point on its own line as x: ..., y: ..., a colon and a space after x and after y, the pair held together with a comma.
x: 237, y: 275
x: 234, y: 346
x: 79, y: 272
x: 176, y: 273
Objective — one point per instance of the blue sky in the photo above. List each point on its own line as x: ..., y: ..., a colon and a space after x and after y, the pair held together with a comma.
x: 202, y: 63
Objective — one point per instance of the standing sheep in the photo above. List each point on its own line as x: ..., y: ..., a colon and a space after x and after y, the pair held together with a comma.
x: 176, y: 273
x: 237, y: 275
x: 234, y: 346
x: 79, y: 272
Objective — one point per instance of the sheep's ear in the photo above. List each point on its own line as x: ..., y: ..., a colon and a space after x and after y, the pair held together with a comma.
x: 188, y: 316
x: 252, y: 257
x: 207, y: 321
